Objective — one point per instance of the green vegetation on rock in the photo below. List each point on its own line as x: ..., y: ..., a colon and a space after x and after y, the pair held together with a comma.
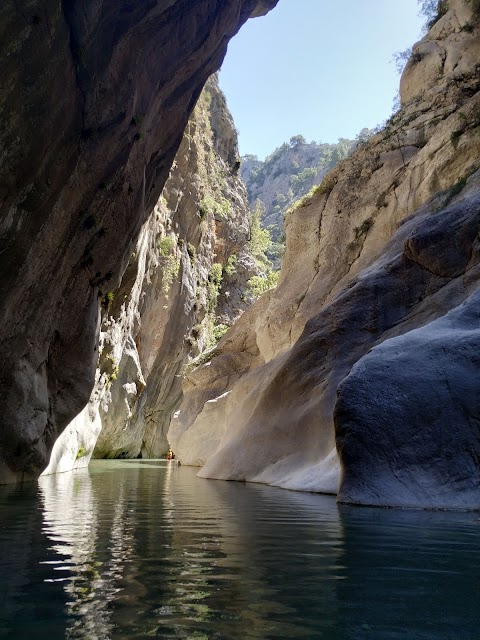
x: 82, y: 452
x: 261, y: 245
x: 288, y: 174
x: 433, y: 10
x: 260, y: 238
x: 258, y: 284
x: 231, y: 265
x: 219, y: 206
x: 165, y: 245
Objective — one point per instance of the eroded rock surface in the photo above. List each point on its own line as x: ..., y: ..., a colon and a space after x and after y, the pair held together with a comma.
x: 95, y: 98
x: 358, y: 270
x: 171, y: 301
x: 408, y: 418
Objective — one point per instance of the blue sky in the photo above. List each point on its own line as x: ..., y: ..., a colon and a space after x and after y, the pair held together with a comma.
x: 319, y: 68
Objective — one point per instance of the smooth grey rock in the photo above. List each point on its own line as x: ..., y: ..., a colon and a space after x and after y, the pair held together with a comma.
x: 407, y: 418
x: 280, y: 415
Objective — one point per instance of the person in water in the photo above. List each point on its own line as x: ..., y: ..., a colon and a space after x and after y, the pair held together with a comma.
x: 170, y: 455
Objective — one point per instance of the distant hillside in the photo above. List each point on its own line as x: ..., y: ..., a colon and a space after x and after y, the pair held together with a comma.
x: 289, y: 173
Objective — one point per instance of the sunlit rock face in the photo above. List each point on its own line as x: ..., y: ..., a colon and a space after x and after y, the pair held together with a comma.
x: 167, y: 307
x: 358, y: 269
x: 95, y: 98
x: 73, y: 449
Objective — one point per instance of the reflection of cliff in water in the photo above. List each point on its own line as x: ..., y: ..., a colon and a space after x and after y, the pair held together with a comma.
x: 21, y: 544
x: 144, y: 548
x: 279, y: 553
x: 94, y: 540
x: 131, y: 548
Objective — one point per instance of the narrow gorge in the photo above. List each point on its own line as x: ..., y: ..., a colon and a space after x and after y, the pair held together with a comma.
x: 92, y: 125
x: 241, y: 393
x: 185, y: 282
x: 126, y: 259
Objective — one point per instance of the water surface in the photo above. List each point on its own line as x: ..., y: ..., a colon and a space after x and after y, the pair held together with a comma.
x: 141, y: 549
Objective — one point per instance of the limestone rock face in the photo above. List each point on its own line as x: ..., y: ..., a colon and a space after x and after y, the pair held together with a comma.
x: 73, y: 449
x: 95, y: 101
x: 450, y: 52
x: 168, y: 305
x: 387, y: 245
x: 292, y: 419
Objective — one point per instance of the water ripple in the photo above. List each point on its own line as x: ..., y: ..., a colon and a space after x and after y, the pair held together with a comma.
x: 138, y: 549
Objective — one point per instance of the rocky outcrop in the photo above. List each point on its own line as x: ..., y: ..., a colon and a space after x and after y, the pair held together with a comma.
x: 358, y: 270
x: 423, y: 452
x: 95, y: 101
x: 169, y: 306
x: 288, y: 174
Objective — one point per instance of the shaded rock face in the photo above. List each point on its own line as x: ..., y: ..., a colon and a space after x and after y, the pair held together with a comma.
x: 424, y: 452
x: 408, y: 415
x: 95, y: 98
x: 386, y: 246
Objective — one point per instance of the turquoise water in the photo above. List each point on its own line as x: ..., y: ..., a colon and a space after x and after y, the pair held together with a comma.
x: 144, y: 549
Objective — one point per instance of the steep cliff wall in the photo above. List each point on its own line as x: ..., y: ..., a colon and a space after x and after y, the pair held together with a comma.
x: 386, y: 245
x: 166, y: 310
x: 95, y: 97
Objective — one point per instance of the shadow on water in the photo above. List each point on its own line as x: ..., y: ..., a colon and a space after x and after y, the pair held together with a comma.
x: 410, y: 574
x: 138, y: 548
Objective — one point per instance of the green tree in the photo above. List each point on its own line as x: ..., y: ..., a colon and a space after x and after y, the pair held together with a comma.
x: 258, y: 285
x: 296, y: 141
x: 433, y: 10
x: 364, y: 135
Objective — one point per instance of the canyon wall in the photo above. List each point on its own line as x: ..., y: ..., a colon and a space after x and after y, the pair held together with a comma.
x: 183, y: 285
x: 376, y: 302
x: 95, y: 98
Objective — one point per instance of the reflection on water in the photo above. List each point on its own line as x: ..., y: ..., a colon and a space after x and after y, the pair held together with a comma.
x: 139, y: 549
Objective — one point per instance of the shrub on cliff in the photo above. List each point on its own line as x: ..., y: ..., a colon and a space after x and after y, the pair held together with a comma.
x: 433, y: 10
x: 259, y: 284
